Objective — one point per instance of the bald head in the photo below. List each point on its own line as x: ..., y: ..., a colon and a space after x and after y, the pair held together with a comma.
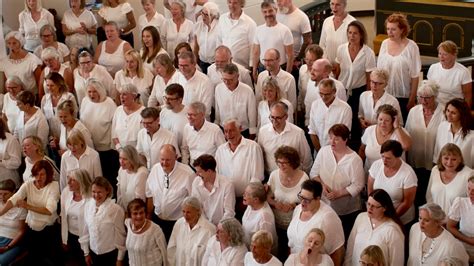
x: 320, y: 70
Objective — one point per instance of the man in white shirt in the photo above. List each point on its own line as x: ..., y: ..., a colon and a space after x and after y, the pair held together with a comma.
x: 279, y: 133
x: 151, y: 137
x: 197, y: 86
x: 199, y: 136
x: 223, y: 56
x: 173, y: 116
x: 215, y: 192
x: 320, y: 70
x: 168, y: 184
x: 272, y: 34
x: 236, y: 31
x: 236, y: 99
x: 326, y: 112
x: 285, y: 80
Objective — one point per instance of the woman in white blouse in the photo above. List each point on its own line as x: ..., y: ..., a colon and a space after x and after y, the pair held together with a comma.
x: 40, y: 198
x: 151, y: 17
x: 396, y: 177
x: 10, y: 154
x: 456, y: 129
x: 311, y: 254
x: 271, y: 94
x: 10, y: 110
x: 73, y: 200
x: 400, y: 57
x: 120, y: 12
x: 34, y: 152
x: 205, y: 35
x: 146, y: 243
x: 227, y: 247
x: 166, y: 74
x: 51, y: 59
x: 31, y: 19
x: 448, y: 178
x: 49, y: 39
x: 103, y: 236
x: 151, y: 47
x: 340, y: 170
x: 133, y: 72
x: 260, y: 250
x: 177, y: 29
x: 379, y: 226
x: 132, y: 176
x: 79, y: 25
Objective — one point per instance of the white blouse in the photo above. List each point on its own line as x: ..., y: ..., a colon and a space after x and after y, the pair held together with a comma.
x: 36, y: 125
x: 125, y: 126
x: 466, y: 144
x: 159, y: 86
x: 354, y: 73
x: 80, y: 127
x: 331, y: 37
x: 230, y: 256
x: 117, y: 14
x: 97, y: 117
x: 462, y: 211
x: 72, y: 214
x: 172, y: 37
x: 206, y: 37
x: 11, y: 111
x: 10, y: 158
x: 73, y: 22
x: 99, y: 73
x: 450, y: 81
x: 261, y: 219
x: 31, y: 28
x: 368, y: 109
x: 50, y: 111
x: 23, y: 68
x: 131, y: 185
x: 10, y: 221
x: 143, y: 84
x: 147, y: 248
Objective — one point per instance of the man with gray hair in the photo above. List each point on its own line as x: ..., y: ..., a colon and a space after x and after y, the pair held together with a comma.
x: 223, y: 56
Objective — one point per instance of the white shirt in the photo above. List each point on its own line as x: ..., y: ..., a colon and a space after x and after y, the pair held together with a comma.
x: 325, y: 219
x: 450, y: 81
x: 36, y: 125
x: 276, y: 37
x: 285, y: 81
x: 88, y: 161
x: 157, y: 21
x: 151, y: 146
x: 294, y: 260
x: 263, y: 112
x: 23, y: 68
x: 50, y: 111
x: 292, y: 136
x: 97, y: 117
x: 159, y: 86
x: 206, y: 38
x: 238, y: 35
x: 347, y: 173
x: 395, y: 185
x: 250, y: 261
x: 298, y: 22
x: 78, y: 127
x: 444, y: 245
x: 117, y: 14
x: 331, y: 37
x: 27, y: 175
x: 216, y: 76
x: 99, y: 73
x: 73, y: 22
x: 172, y: 37
x: 402, y: 68
x: 143, y: 84
x: 217, y: 204
x: 31, y: 28
x: 388, y: 236
x: 125, y: 126
x: 234, y: 164
x: 354, y: 72
x: 10, y: 158
x: 261, y: 219
x: 462, y: 211
x: 12, y: 220
x: 187, y: 246
x: 169, y: 190
x: 174, y: 122
x: 466, y: 144
x: 368, y: 109
x: 323, y: 117
x: 131, y: 185
x: 198, y: 89
x: 147, y: 248
x: 11, y: 111
x: 303, y: 79
x: 204, y: 141
x: 72, y: 214
x: 239, y: 103
x: 444, y: 194
x: 230, y: 256
x: 104, y: 230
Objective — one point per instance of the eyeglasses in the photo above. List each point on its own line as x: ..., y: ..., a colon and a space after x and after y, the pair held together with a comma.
x: 370, y: 206
x: 325, y: 94
x: 85, y: 63
x: 273, y: 118
x: 376, y: 83
x: 282, y: 162
x: 205, y: 14
x: 269, y: 59
x: 46, y: 35
x: 303, y: 199
x: 167, y: 181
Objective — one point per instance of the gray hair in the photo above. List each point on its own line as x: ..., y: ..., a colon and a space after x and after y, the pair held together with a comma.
x: 428, y: 88
x: 181, y: 4
x: 281, y: 105
x: 50, y: 53
x: 224, y: 48
x: 199, y: 107
x: 98, y: 86
x: 132, y: 156
x: 258, y: 191
x: 84, y: 180
x: 129, y: 88
x: 212, y: 8
x: 232, y: 120
x: 192, y: 202
x: 15, y: 80
x: 17, y: 36
x: 435, y: 211
x: 381, y: 73
x: 235, y: 230
x: 51, y: 29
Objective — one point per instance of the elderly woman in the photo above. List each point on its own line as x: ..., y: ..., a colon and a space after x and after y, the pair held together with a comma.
x: 67, y: 113
x: 79, y: 155
x: 166, y: 74
x: 10, y: 154
x: 387, y: 128
x: 311, y: 254
x: 89, y: 70
x: 132, y: 176
x: 227, y: 247
x: 456, y: 129
x: 12, y: 225
x: 176, y: 29
x: 258, y: 215
x: 379, y: 226
x: 271, y: 94
x: 34, y: 152
x: 260, y: 250
x: 103, y: 237
x: 146, y: 243
x: 79, y: 25
x: 73, y: 199
x: 49, y: 39
x: 372, y: 255
x: 190, y: 235
x: 430, y: 242
x: 340, y: 170
x: 31, y: 19
x: 110, y: 52
x: 20, y: 62
x: 396, y: 177
x: 448, y: 178
x: 127, y: 119
x: 51, y: 59
x: 40, y: 198
x: 400, y: 57
x: 460, y: 219
x: 151, y: 47
x: 205, y: 35
x: 121, y: 13
x: 31, y: 121
x: 10, y: 110
x: 453, y: 78
x: 134, y: 73
x: 151, y: 17
x: 334, y: 30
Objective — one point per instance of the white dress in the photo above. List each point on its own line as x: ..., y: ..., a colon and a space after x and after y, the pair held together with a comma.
x: 147, y: 248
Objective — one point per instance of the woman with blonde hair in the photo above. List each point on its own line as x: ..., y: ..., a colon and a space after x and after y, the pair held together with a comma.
x: 311, y: 254
x: 135, y: 73
x: 67, y: 113
x: 132, y: 176
x: 33, y: 151
x: 271, y: 93
x: 372, y: 255
x: 166, y: 74
x: 31, y: 19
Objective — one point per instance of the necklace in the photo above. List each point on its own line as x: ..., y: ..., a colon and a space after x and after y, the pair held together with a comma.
x: 139, y: 229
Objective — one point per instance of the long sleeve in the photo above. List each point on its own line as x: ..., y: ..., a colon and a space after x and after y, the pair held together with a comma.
x: 351, y: 240
x: 185, y: 155
x: 84, y: 238
x: 141, y: 184
x: 258, y: 165
x: 43, y: 129
x: 305, y: 153
x: 120, y: 233
x: 229, y: 202
x: 62, y: 173
x: 251, y: 35
x: 252, y: 114
x: 171, y: 249
x: 97, y: 168
x: 292, y: 94
x: 358, y: 178
x: 12, y: 157
x: 64, y: 224
x: 396, y: 249
x: 160, y: 241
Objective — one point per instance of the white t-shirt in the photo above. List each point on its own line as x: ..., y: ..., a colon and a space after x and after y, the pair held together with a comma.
x: 298, y: 22
x: 97, y: 117
x: 276, y: 37
x: 117, y: 14
x: 450, y: 81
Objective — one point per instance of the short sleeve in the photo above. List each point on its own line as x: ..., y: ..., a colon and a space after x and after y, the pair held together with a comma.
x: 369, y: 60
x: 375, y: 169
x: 466, y: 76
x: 126, y: 8
x: 455, y: 210
x: 288, y: 37
x: 410, y: 179
x: 365, y: 136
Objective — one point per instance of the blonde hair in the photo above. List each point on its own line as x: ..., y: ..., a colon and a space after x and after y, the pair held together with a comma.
x: 375, y: 254
x: 449, y: 47
x: 135, y: 55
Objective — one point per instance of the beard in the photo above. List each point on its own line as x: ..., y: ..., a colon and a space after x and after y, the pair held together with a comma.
x: 284, y: 10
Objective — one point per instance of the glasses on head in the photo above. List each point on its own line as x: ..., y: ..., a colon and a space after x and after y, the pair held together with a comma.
x: 370, y: 206
x: 303, y: 199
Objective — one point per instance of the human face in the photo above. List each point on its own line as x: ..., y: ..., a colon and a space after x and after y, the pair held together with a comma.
x: 73, y: 184
x: 5, y: 195
x: 131, y: 63
x: 393, y: 31
x: 450, y: 161
x: 309, y: 59
x: 167, y: 160
x: 318, y: 72
x: 269, y: 14
x: 337, y: 143
x: 93, y: 94
x: 374, y: 209
x: 452, y: 114
x: 52, y: 63
x: 77, y: 149
x: 446, y: 59
x: 41, y: 177
x: 99, y: 194
x: 190, y: 214
x: 195, y: 119
x: 353, y: 35
x: 206, y: 17
x: 222, y: 59
x: 66, y: 118
x: 235, y: 6
x: 160, y: 70
x: 221, y: 235
x: 171, y: 101
x: 365, y: 260
x: 377, y: 84
x: 470, y: 191
x: 270, y: 94
x: 20, y: 106
x: 270, y: 61
x: 86, y: 64
x: 75, y: 4
x: 29, y: 148
x: 283, y: 164
x: 284, y: 6
x: 138, y: 217
x: 151, y: 124
x: 248, y: 199
x: 389, y: 160
x: 327, y: 94
x: 428, y: 102
x: 47, y: 37
x: 147, y: 39
x: 176, y: 11
x: 308, y: 202
x: 32, y: 4
x: 13, y: 44
x: 337, y: 7
x: 111, y: 32
x: 13, y: 89
x: 127, y: 99
x: 52, y: 87
x: 278, y: 117
x: 313, y: 242
x: 232, y: 133
x: 149, y: 8
x: 427, y: 224
x: 205, y: 175
x: 186, y: 67
x: 231, y: 81
x: 124, y: 162
x: 385, y: 122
